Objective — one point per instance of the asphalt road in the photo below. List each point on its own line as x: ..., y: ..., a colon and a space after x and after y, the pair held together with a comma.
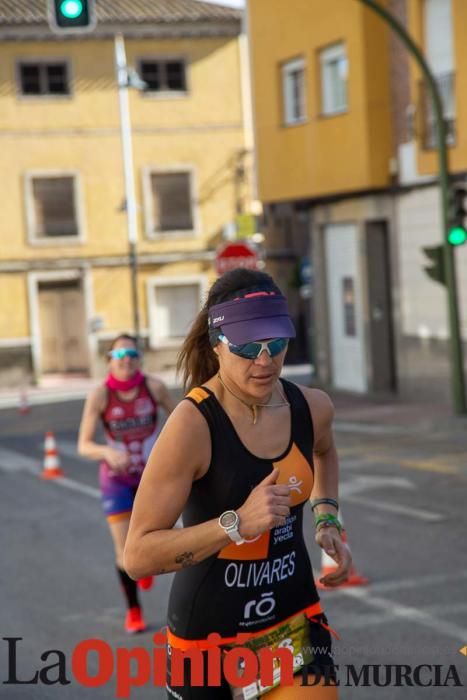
x: 404, y: 503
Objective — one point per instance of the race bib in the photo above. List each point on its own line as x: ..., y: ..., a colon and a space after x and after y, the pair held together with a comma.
x: 293, y: 635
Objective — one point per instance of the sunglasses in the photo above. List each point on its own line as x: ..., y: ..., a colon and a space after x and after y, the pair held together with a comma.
x: 120, y: 353
x: 251, y: 351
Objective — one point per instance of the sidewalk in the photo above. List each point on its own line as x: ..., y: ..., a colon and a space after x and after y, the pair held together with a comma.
x: 394, y: 416
x: 60, y: 388
x: 354, y: 413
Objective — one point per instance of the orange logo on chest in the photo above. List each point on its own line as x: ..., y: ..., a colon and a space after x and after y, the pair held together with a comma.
x: 296, y: 473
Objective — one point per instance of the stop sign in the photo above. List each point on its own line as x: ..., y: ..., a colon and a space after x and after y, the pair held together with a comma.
x: 232, y: 255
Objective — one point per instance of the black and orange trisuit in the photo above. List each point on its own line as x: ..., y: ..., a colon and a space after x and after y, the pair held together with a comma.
x: 255, y: 586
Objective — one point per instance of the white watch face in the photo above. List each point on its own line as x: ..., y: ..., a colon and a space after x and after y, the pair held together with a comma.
x: 229, y: 519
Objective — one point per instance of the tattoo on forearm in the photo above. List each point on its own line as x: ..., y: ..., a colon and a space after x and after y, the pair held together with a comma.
x: 185, y: 559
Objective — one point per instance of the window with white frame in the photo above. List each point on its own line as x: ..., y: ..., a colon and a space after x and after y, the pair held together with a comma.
x: 163, y: 74
x: 293, y: 91
x: 171, y: 202
x: 52, y: 206
x: 334, y: 72
x: 174, y: 308
x: 42, y: 78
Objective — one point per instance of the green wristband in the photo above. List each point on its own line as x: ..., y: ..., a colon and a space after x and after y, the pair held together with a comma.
x: 330, y: 520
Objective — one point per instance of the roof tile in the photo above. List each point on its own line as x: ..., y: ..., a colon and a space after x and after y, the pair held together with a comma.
x: 30, y: 12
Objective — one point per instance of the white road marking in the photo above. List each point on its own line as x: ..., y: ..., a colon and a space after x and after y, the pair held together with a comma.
x: 358, y: 484
x: 353, y: 463
x: 417, y: 513
x: 77, y: 486
x: 362, y: 621
x: 68, y: 448
x: 417, y: 581
x: 371, y: 429
x: 105, y: 615
x: 367, y: 482
x: 357, y: 621
x: 12, y: 461
x: 405, y: 612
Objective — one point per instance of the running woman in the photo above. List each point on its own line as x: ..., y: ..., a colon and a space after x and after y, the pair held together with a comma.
x: 241, y: 456
x: 127, y: 405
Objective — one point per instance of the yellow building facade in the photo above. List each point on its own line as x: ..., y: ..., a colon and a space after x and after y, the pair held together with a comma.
x: 65, y: 283
x: 347, y: 173
x: 323, y: 152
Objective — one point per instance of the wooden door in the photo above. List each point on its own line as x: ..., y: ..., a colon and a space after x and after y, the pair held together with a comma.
x: 63, y: 328
x: 49, y: 319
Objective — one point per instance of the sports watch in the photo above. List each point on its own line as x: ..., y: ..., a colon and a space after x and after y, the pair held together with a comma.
x: 229, y: 522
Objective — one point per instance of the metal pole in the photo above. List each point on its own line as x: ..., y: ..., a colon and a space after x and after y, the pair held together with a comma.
x: 457, y: 363
x: 127, y: 152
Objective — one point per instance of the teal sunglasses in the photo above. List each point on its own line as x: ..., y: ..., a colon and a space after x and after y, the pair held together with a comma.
x: 120, y: 353
x: 251, y: 351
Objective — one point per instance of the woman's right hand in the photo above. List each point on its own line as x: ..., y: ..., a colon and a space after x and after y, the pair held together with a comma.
x: 267, y: 506
x: 117, y: 460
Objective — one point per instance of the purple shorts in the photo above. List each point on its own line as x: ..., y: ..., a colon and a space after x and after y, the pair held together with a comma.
x: 117, y: 493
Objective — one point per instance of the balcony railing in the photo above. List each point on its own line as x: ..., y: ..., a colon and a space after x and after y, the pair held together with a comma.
x: 446, y: 88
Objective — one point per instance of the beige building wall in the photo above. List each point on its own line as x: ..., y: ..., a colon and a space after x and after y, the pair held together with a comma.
x: 79, y: 134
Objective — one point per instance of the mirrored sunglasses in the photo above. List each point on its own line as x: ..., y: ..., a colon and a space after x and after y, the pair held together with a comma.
x: 251, y: 351
x: 120, y: 353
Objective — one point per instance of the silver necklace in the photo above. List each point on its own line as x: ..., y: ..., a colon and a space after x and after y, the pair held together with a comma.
x: 254, y: 406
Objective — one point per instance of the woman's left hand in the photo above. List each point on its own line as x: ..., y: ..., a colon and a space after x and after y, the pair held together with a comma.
x: 330, y: 540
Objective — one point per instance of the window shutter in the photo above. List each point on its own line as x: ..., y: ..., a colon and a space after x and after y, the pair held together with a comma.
x: 176, y: 308
x: 54, y: 206
x: 172, y: 202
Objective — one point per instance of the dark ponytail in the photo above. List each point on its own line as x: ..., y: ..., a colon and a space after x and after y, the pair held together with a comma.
x: 197, y: 361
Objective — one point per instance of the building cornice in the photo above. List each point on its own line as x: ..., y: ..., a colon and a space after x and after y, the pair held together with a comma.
x: 62, y: 263
x: 332, y: 198
x: 86, y: 262
x: 182, y: 30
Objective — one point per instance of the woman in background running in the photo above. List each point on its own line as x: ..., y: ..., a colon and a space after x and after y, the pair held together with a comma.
x: 127, y: 405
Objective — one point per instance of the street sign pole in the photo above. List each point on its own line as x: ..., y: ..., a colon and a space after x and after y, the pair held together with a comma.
x: 127, y: 152
x: 457, y: 362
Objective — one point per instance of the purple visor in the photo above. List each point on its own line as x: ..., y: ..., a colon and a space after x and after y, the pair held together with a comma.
x: 258, y: 316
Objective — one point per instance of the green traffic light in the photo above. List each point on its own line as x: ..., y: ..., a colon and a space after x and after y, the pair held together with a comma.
x: 457, y: 235
x: 71, y: 9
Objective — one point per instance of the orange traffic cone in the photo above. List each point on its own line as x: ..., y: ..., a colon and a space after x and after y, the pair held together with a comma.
x: 52, y: 468
x: 23, y: 404
x: 328, y: 565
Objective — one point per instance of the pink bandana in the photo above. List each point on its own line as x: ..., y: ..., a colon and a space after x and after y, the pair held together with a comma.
x: 124, y: 385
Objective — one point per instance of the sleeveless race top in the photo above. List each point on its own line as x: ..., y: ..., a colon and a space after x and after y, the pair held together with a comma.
x: 252, y: 586
x: 130, y: 426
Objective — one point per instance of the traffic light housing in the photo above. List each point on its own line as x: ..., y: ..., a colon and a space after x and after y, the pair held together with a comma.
x: 435, y: 270
x: 71, y: 16
x: 457, y: 233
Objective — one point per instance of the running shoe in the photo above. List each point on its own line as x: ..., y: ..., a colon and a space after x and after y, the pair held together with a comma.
x: 146, y: 583
x: 134, y: 621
